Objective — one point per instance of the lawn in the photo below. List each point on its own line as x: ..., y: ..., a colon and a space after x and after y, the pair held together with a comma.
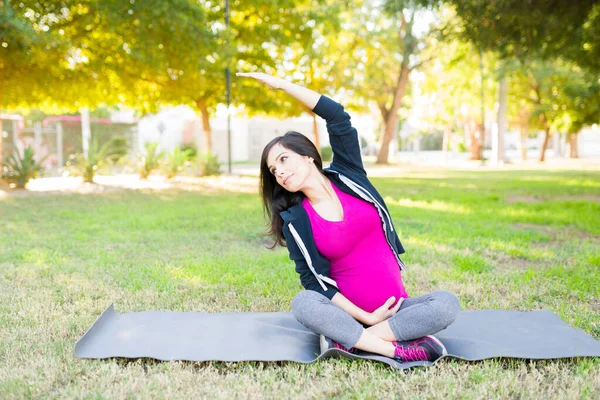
x: 521, y: 240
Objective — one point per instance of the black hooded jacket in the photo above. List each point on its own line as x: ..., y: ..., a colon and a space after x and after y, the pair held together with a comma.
x: 348, y: 174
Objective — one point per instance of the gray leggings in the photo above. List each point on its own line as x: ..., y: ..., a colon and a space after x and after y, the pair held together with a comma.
x: 417, y: 316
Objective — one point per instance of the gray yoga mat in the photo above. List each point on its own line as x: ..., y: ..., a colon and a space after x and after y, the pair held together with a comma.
x: 277, y: 336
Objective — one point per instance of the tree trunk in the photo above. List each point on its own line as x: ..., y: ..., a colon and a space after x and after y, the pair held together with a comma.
x: 1, y: 149
x: 521, y: 146
x: 201, y: 104
x: 386, y: 138
x: 545, y: 144
x: 316, y: 133
x: 446, y: 142
x: 391, y: 122
x: 573, y: 151
x: 86, y: 132
x: 476, y: 143
x: 523, y: 134
x: 498, y: 143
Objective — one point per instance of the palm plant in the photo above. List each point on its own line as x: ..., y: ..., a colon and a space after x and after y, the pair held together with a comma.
x: 21, y: 169
x: 98, y: 156
x: 208, y: 164
x: 150, y: 159
x: 176, y: 160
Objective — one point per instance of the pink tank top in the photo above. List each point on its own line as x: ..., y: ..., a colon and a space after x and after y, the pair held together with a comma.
x: 362, y: 262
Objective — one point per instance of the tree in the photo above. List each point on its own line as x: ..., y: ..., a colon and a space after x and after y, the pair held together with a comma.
x: 384, y: 53
x: 258, y: 33
x: 454, y: 94
x: 580, y: 98
x: 517, y: 29
x: 317, y: 62
x: 541, y: 30
x: 555, y: 96
x: 30, y: 54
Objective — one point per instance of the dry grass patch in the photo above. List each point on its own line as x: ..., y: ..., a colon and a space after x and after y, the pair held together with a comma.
x: 540, y: 198
x: 593, y: 198
x: 508, y: 262
x: 557, y: 235
x: 523, y: 199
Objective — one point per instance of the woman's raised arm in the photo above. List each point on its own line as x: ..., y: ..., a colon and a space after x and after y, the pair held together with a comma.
x: 343, y: 137
x: 304, y: 95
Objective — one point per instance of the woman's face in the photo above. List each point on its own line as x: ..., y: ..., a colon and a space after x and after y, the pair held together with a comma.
x: 289, y: 168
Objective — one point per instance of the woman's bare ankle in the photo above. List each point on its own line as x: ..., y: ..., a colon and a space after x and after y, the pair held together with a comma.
x: 383, y: 331
x: 374, y: 344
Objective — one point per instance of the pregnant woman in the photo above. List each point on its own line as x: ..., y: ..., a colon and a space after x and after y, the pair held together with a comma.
x: 339, y: 232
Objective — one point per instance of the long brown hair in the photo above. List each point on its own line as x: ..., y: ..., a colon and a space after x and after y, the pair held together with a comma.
x: 275, y: 198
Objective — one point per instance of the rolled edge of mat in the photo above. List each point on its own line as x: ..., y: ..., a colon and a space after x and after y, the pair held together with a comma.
x: 87, y: 336
x: 337, y: 353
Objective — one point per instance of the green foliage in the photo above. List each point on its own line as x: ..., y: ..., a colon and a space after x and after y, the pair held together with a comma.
x: 326, y: 153
x: 208, y: 164
x: 432, y: 141
x: 119, y: 148
x: 523, y: 29
x: 150, y: 160
x: 98, y: 156
x: 30, y: 54
x: 191, y: 149
x: 553, y: 94
x: 175, y: 161
x: 21, y: 169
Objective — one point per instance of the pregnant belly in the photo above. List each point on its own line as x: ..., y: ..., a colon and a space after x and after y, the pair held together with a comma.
x: 369, y: 290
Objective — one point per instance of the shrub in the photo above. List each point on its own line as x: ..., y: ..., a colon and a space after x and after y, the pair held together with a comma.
x: 176, y: 160
x: 208, y: 164
x: 20, y: 170
x: 326, y: 153
x: 432, y: 141
x: 111, y: 152
x: 191, y: 148
x: 150, y: 159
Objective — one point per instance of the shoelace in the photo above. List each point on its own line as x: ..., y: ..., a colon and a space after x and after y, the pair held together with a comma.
x: 339, y: 346
x: 411, y: 353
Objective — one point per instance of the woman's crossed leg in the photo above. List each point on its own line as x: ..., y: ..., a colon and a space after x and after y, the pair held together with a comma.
x: 417, y: 317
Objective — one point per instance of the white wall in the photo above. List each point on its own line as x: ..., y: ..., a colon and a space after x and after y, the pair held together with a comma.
x: 173, y: 121
x: 589, y: 142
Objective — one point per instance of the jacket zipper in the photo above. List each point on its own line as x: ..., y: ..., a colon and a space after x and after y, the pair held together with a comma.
x: 300, y: 243
x: 349, y: 182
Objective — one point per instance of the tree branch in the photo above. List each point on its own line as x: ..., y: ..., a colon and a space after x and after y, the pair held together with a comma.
x: 422, y: 62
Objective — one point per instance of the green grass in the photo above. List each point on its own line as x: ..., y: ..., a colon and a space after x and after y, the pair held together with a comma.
x: 521, y: 240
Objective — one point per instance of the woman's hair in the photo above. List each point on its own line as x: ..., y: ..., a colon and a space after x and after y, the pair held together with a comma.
x: 275, y: 198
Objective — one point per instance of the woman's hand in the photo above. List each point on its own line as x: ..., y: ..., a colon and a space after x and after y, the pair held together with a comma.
x: 383, y: 312
x: 270, y: 81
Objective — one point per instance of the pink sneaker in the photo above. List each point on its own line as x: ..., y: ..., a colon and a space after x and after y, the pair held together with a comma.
x: 327, y: 344
x: 427, y: 348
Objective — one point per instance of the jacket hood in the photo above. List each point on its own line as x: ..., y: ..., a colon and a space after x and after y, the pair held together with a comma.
x: 292, y: 213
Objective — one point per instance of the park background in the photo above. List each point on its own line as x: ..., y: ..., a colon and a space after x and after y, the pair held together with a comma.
x: 129, y: 155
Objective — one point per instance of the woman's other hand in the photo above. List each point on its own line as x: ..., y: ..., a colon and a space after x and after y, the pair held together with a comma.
x: 384, y: 312
x: 270, y: 81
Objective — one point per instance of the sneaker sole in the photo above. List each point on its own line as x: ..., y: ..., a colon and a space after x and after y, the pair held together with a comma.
x: 323, y: 344
x: 444, y: 352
